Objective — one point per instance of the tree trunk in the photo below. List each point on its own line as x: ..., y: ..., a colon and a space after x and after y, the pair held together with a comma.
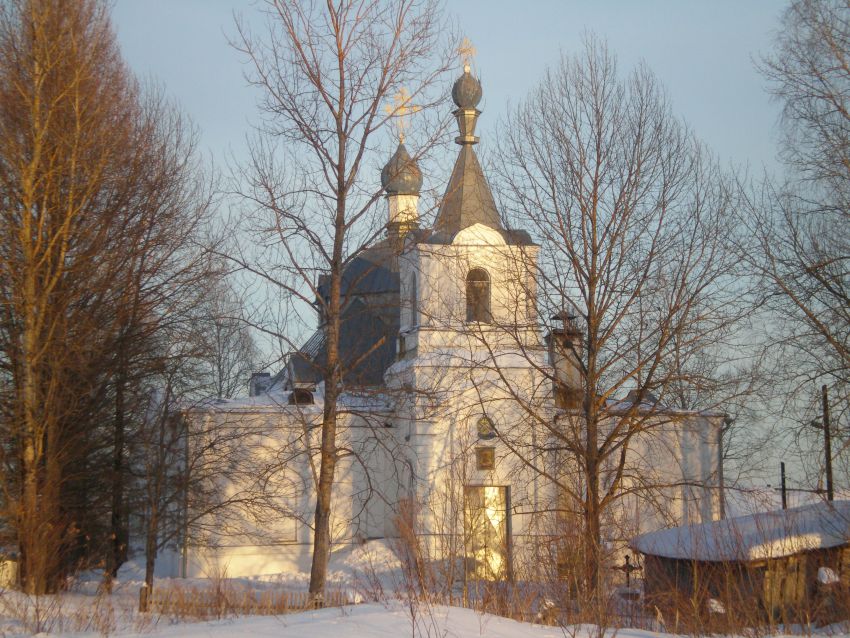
x: 327, y: 465
x: 117, y: 553
x: 322, y: 532
x: 150, y: 545
x: 592, y: 525
x: 27, y: 523
x: 35, y: 514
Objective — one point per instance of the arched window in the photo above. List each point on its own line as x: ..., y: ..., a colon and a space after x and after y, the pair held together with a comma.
x: 414, y: 308
x: 478, y: 296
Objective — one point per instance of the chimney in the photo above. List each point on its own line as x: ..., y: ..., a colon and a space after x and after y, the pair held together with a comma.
x: 565, y: 351
x: 259, y: 383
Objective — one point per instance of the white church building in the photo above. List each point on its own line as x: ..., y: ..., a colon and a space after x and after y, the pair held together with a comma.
x: 448, y: 405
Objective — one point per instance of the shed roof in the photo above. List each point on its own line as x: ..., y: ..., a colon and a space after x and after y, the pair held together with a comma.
x: 753, y: 537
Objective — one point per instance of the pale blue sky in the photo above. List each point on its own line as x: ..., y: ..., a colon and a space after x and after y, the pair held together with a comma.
x: 702, y: 52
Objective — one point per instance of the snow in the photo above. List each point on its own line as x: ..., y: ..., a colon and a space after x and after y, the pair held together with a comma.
x: 754, y: 537
x: 827, y: 576
x: 271, y: 401
x: 276, y: 399
x: 84, y: 613
x: 376, y: 620
x: 358, y: 570
x: 716, y: 606
x: 389, y: 620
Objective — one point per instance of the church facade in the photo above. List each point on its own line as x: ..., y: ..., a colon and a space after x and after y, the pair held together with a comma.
x: 451, y: 393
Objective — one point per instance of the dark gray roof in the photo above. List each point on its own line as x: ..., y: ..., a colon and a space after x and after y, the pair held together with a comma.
x: 314, y: 344
x: 370, y: 322
x: 301, y: 370
x: 468, y: 199
x: 401, y: 175
x: 466, y: 91
x: 364, y: 276
x: 367, y: 345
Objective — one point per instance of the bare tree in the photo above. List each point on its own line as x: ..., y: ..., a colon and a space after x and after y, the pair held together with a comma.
x: 67, y: 117
x: 102, y: 204
x: 798, y: 228
x: 633, y: 216
x: 177, y: 466
x: 163, y: 276
x: 231, y: 354
x: 809, y: 75
x: 326, y: 72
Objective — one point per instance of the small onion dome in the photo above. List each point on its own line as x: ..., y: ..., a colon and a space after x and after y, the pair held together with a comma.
x: 401, y: 175
x: 466, y: 91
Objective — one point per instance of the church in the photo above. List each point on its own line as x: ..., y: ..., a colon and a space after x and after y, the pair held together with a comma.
x: 453, y: 387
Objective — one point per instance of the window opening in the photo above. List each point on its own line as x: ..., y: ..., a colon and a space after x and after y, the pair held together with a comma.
x: 301, y: 397
x: 478, y: 296
x: 487, y: 526
x: 414, y: 308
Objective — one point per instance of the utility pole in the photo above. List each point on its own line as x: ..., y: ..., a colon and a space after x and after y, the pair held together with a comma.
x: 827, y: 443
x: 784, y: 487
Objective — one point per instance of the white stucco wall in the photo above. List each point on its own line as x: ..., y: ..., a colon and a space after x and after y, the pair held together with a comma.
x: 414, y: 446
x: 271, y: 482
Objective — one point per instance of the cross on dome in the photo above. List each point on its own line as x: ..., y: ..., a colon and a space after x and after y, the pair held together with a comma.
x: 466, y: 52
x: 401, y: 109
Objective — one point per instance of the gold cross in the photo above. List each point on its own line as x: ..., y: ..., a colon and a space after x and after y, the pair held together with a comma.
x: 466, y: 52
x: 400, y: 109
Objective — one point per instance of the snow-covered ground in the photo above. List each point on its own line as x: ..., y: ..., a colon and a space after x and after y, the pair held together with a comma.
x: 349, y: 569
x: 367, y: 573
x: 390, y: 621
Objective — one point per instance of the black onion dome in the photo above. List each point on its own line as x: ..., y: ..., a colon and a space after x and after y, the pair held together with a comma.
x: 466, y: 91
x: 401, y: 175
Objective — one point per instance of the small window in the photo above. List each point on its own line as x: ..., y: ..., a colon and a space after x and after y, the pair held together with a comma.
x: 301, y: 397
x: 478, y: 296
x: 485, y: 458
x: 566, y: 397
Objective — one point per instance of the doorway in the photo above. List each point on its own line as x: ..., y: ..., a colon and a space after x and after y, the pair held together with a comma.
x: 487, y: 527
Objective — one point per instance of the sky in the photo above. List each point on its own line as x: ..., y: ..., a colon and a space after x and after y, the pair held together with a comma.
x: 703, y: 53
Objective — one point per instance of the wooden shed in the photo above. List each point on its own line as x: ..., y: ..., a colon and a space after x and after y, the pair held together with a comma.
x: 784, y: 566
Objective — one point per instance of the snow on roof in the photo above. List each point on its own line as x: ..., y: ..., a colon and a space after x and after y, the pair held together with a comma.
x: 276, y: 399
x: 754, y: 537
x: 650, y: 404
x: 266, y: 402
